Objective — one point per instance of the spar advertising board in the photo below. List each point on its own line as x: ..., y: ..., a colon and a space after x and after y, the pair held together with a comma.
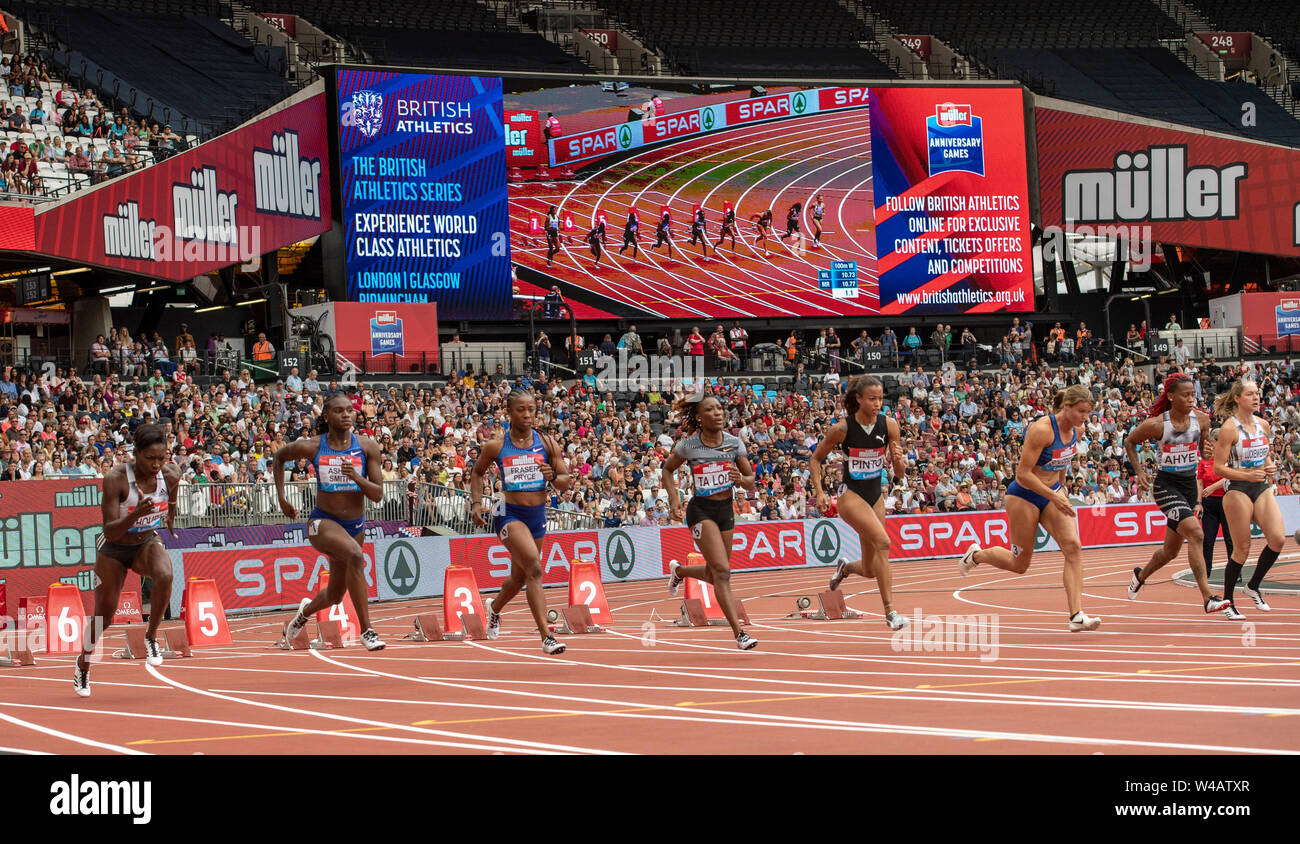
x: 260, y: 187
x: 1183, y: 187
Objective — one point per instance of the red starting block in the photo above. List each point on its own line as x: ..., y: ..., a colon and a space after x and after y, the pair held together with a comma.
x: 331, y: 635
x: 696, y: 614
x: 300, y: 643
x: 577, y: 620
x: 16, y: 652
x: 178, y: 643
x: 473, y: 628
x: 427, y: 628
x: 833, y: 607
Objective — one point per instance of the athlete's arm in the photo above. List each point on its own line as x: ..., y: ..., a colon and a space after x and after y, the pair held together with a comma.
x: 1270, y: 466
x: 116, y: 526
x: 742, y: 473
x: 896, y: 446
x: 300, y: 449
x: 1144, y: 432
x: 172, y: 474
x: 487, y: 454
x: 559, y: 465
x: 833, y: 438
x: 668, y: 478
x: 372, y: 486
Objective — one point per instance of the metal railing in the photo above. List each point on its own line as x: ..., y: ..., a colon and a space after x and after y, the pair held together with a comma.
x: 430, y: 505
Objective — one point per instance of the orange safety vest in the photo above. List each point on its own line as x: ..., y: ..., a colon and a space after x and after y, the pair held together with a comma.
x: 262, y: 351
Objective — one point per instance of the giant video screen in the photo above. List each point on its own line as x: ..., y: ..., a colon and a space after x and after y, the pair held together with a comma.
x: 844, y: 200
x: 422, y: 190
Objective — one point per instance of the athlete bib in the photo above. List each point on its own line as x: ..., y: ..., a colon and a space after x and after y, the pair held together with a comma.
x: 1254, y: 451
x: 1179, y: 457
x: 1061, y: 459
x: 866, y: 464
x: 711, y: 477
x: 332, y: 478
x: 523, y: 473
x: 153, y: 521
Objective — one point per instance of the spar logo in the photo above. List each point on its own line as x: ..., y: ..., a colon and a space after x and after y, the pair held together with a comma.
x: 624, y: 137
x: 620, y: 554
x: 402, y: 568
x: 386, y: 334
x: 955, y: 138
x: 825, y: 543
x: 590, y: 144
x: 710, y: 119
x: 367, y: 113
x: 1154, y: 184
x: 800, y: 103
x: 285, y: 183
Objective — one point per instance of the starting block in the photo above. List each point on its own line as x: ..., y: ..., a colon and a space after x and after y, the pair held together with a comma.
x: 577, y: 619
x: 427, y: 628
x: 301, y: 643
x: 695, y: 615
x: 15, y: 656
x: 331, y: 636
x: 178, y: 643
x: 135, y: 648
x: 833, y: 608
x: 473, y: 625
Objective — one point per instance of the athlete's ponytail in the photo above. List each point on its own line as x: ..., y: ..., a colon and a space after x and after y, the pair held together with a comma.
x: 1226, y: 404
x: 687, y: 410
x: 1074, y: 394
x: 1171, y: 383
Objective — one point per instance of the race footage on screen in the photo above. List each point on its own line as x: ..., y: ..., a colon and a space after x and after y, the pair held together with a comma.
x: 703, y: 201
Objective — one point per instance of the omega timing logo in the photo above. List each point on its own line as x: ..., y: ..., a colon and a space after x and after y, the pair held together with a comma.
x: 287, y: 184
x: 1155, y: 184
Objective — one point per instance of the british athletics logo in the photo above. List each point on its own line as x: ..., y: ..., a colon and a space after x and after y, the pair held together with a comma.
x: 386, y: 334
x: 955, y: 138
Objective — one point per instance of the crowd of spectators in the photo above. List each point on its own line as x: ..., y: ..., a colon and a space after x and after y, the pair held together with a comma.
x: 961, y: 428
x: 63, y: 131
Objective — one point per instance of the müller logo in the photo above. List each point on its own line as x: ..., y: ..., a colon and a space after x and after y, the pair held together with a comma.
x: 386, y: 317
x: 286, y: 183
x: 203, y: 211
x: 1154, y: 184
x: 128, y: 236
x: 948, y: 114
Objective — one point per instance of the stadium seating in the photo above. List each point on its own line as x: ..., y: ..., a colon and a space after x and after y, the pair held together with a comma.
x: 757, y: 38
x: 1149, y: 82
x: 176, y: 65
x: 1278, y: 22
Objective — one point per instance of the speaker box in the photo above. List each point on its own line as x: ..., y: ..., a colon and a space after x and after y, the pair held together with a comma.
x: 634, y: 115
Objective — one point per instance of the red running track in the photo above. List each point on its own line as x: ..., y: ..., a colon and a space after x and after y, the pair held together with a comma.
x: 1159, y: 677
x: 758, y: 167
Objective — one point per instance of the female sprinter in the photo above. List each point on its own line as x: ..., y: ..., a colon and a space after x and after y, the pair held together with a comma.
x: 868, y: 439
x: 763, y: 224
x: 1242, y: 456
x: 1175, y: 423
x: 728, y: 229
x: 138, y: 497
x: 347, y: 473
x: 527, y: 461
x: 818, y: 212
x: 718, y: 462
x: 552, y: 233
x: 1035, y: 498
x: 631, y: 233
x: 792, y: 224
x: 1211, y: 488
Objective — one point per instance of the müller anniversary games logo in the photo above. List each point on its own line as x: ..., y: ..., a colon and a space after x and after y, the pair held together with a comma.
x: 955, y: 138
x: 386, y: 334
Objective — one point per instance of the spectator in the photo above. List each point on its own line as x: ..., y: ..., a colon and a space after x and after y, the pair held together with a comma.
x: 889, y: 345
x: 739, y: 338
x: 631, y: 341
x: 833, y: 349
x: 940, y: 340
x: 1173, y: 325
x: 911, y: 343
x: 1181, y: 354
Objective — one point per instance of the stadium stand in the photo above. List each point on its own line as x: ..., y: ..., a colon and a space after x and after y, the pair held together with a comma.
x: 796, y: 38
x: 1278, y: 22
x: 176, y: 60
